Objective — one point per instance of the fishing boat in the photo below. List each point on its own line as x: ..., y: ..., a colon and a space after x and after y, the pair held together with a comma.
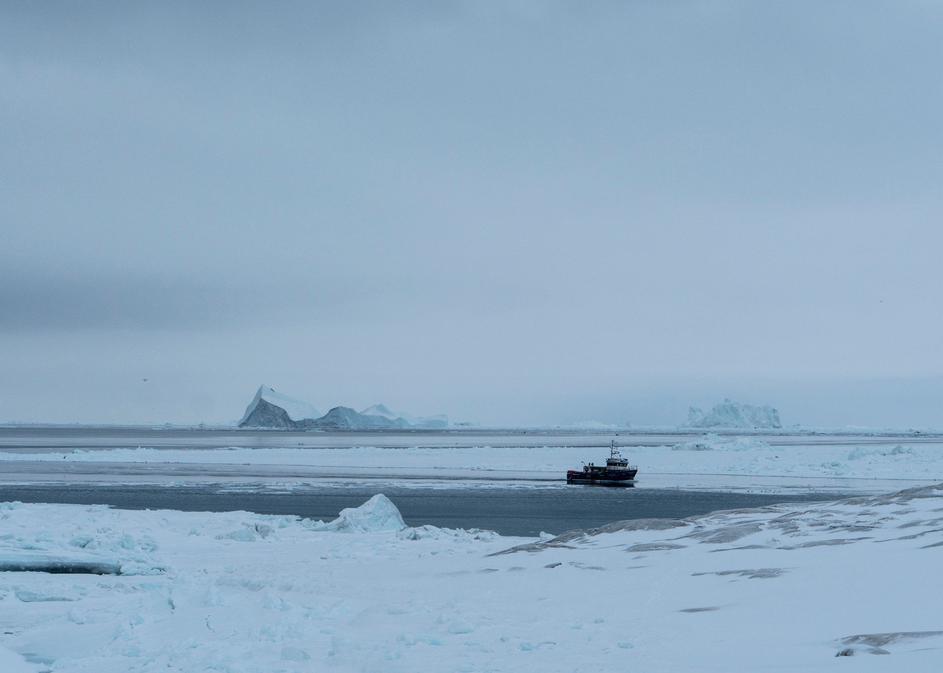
x: 616, y: 471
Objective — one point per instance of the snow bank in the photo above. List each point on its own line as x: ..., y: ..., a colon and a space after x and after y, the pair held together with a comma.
x: 730, y: 414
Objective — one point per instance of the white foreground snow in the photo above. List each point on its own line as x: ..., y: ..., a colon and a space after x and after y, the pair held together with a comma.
x: 783, y: 588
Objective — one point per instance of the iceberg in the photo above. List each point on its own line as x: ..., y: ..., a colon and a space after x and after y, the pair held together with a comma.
x: 271, y: 409
x: 730, y: 414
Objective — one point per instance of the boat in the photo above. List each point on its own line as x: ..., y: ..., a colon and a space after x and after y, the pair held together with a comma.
x: 616, y: 471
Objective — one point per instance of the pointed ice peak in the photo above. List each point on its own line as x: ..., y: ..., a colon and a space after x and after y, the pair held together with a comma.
x: 297, y: 410
x: 381, y: 410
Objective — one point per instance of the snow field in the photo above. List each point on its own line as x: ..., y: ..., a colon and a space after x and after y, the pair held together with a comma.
x: 782, y: 588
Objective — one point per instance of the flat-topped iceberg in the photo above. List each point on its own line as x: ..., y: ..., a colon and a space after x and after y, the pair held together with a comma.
x: 730, y: 414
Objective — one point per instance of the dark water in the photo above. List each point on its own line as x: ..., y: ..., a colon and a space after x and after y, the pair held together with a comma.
x: 510, y: 511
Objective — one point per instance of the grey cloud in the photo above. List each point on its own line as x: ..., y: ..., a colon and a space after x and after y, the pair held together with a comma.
x: 502, y: 206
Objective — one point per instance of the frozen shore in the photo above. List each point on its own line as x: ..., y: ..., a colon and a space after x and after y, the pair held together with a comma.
x: 783, y: 588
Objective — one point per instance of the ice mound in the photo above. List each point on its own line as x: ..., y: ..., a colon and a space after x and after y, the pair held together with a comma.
x: 730, y: 414
x: 376, y: 515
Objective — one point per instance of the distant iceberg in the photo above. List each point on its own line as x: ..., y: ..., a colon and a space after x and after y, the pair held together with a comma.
x: 274, y: 410
x: 730, y: 414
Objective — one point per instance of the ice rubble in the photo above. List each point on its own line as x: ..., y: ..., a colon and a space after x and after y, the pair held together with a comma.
x: 730, y: 414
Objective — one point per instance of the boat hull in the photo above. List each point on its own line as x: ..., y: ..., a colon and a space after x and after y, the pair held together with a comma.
x: 622, y: 478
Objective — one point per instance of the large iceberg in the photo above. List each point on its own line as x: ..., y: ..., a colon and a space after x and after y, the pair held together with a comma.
x: 730, y: 414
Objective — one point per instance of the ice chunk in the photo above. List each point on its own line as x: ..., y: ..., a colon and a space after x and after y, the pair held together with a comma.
x: 13, y: 560
x: 377, y: 514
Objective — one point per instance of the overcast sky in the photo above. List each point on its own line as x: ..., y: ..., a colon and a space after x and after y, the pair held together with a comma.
x: 519, y: 212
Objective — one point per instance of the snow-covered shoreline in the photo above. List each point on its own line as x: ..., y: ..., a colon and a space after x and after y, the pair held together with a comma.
x: 779, y: 588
